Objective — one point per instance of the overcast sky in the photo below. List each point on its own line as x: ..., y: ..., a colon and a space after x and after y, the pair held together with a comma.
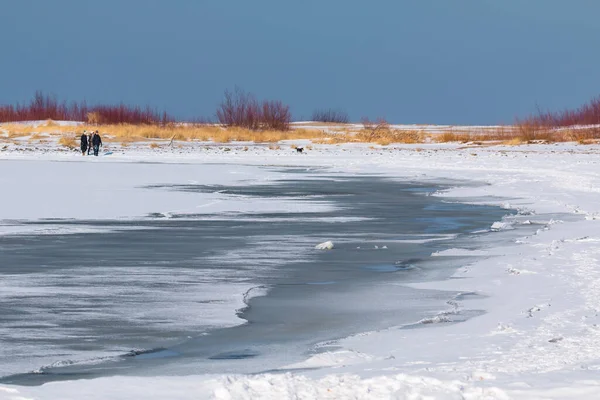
x: 411, y: 61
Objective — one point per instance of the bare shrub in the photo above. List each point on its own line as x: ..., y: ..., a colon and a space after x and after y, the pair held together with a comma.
x: 531, y: 131
x: 238, y: 108
x: 373, y: 130
x: 587, y: 114
x: 581, y: 125
x: 330, y: 115
x: 43, y: 107
x: 241, y: 109
x: 275, y: 115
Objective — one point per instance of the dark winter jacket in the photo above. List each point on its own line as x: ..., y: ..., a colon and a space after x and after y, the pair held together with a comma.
x: 96, y: 140
x: 84, y: 140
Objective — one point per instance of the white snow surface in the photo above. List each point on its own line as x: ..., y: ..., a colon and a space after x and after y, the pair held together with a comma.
x: 538, y: 339
x: 97, y: 188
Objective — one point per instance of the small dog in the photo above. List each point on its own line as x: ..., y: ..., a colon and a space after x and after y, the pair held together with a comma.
x: 299, y: 149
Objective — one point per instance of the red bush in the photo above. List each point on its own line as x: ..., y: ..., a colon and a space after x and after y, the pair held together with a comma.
x: 588, y: 114
x: 276, y: 115
x: 242, y: 109
x: 43, y: 107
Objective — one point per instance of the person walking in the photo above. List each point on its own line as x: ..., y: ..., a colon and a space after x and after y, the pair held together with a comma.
x: 96, y: 142
x: 90, y: 135
x: 84, y: 143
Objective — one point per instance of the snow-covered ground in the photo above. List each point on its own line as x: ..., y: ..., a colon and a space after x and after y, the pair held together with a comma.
x: 425, y: 128
x: 539, y: 337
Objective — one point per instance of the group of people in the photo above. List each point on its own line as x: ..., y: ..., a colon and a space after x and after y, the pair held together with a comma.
x: 89, y: 141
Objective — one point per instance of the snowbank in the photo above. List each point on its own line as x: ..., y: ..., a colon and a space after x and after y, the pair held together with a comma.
x: 328, y: 245
x: 267, y: 387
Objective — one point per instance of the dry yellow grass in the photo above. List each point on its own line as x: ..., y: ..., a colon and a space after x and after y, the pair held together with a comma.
x: 125, y: 133
x: 451, y: 136
x: 131, y: 133
x: 495, y: 134
x: 514, y: 141
x: 68, y: 141
x: 16, y: 130
x: 379, y: 132
x: 36, y: 136
x: 383, y: 134
x: 582, y: 136
x: 520, y: 134
x: 20, y: 130
x: 94, y: 118
x: 335, y: 139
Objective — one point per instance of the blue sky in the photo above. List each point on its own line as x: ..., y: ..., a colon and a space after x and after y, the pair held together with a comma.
x: 410, y: 61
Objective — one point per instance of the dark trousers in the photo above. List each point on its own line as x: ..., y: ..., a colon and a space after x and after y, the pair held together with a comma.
x: 96, y: 149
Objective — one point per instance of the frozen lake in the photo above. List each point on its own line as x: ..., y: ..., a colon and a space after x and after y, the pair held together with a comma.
x: 160, y: 294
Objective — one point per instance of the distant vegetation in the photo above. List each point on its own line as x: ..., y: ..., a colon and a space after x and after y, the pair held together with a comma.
x: 330, y: 115
x: 126, y: 133
x: 43, y: 107
x: 587, y: 114
x: 581, y: 124
x: 577, y: 125
x: 238, y: 109
x: 243, y: 110
x: 242, y: 117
